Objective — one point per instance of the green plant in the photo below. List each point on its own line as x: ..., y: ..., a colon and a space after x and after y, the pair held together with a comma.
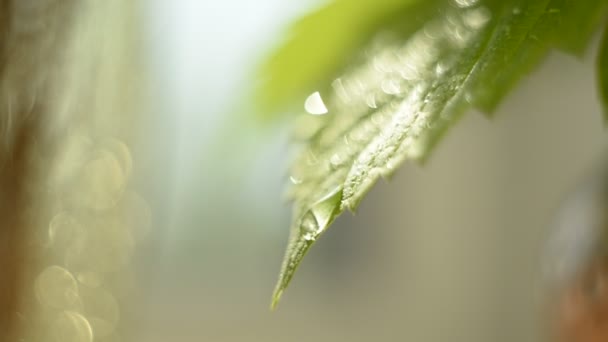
x: 390, y: 77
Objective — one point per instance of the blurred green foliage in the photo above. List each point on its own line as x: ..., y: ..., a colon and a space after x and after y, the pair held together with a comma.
x: 408, y: 71
x: 320, y: 45
x: 602, y: 65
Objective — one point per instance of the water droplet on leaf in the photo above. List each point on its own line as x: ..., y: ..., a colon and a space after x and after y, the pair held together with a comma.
x: 465, y: 3
x: 314, y: 104
x: 294, y: 180
x: 477, y: 18
x: 312, y: 224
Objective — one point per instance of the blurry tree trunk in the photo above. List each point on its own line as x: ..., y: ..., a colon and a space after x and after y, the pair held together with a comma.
x: 12, y: 172
x: 12, y: 226
x: 31, y: 37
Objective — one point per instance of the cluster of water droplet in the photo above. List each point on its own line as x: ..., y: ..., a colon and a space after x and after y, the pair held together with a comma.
x: 86, y: 245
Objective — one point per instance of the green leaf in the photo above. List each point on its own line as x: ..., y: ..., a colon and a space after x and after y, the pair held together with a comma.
x: 400, y: 97
x: 526, y: 38
x: 602, y: 65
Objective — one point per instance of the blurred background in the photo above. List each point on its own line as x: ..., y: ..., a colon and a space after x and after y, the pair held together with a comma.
x: 448, y: 251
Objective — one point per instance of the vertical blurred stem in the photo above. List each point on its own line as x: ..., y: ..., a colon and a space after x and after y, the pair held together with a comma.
x: 69, y: 102
x: 13, y: 174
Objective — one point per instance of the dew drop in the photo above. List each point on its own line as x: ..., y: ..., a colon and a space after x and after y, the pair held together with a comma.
x: 409, y: 73
x: 477, y: 18
x: 314, y: 104
x: 335, y: 160
x: 320, y: 215
x: 378, y: 119
x: 309, y: 226
x: 465, y: 3
x: 294, y: 180
x: 371, y: 101
x: 309, y: 236
x: 391, y: 87
x: 440, y: 69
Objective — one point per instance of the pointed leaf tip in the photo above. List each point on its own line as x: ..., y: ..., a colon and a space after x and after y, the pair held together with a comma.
x: 307, y: 228
x: 276, y: 297
x: 295, y: 253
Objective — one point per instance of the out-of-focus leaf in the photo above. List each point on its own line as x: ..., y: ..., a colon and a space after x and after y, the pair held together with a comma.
x: 319, y: 45
x: 400, y: 98
x: 602, y: 66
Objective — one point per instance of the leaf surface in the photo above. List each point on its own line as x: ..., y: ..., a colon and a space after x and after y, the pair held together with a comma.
x: 405, y: 90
